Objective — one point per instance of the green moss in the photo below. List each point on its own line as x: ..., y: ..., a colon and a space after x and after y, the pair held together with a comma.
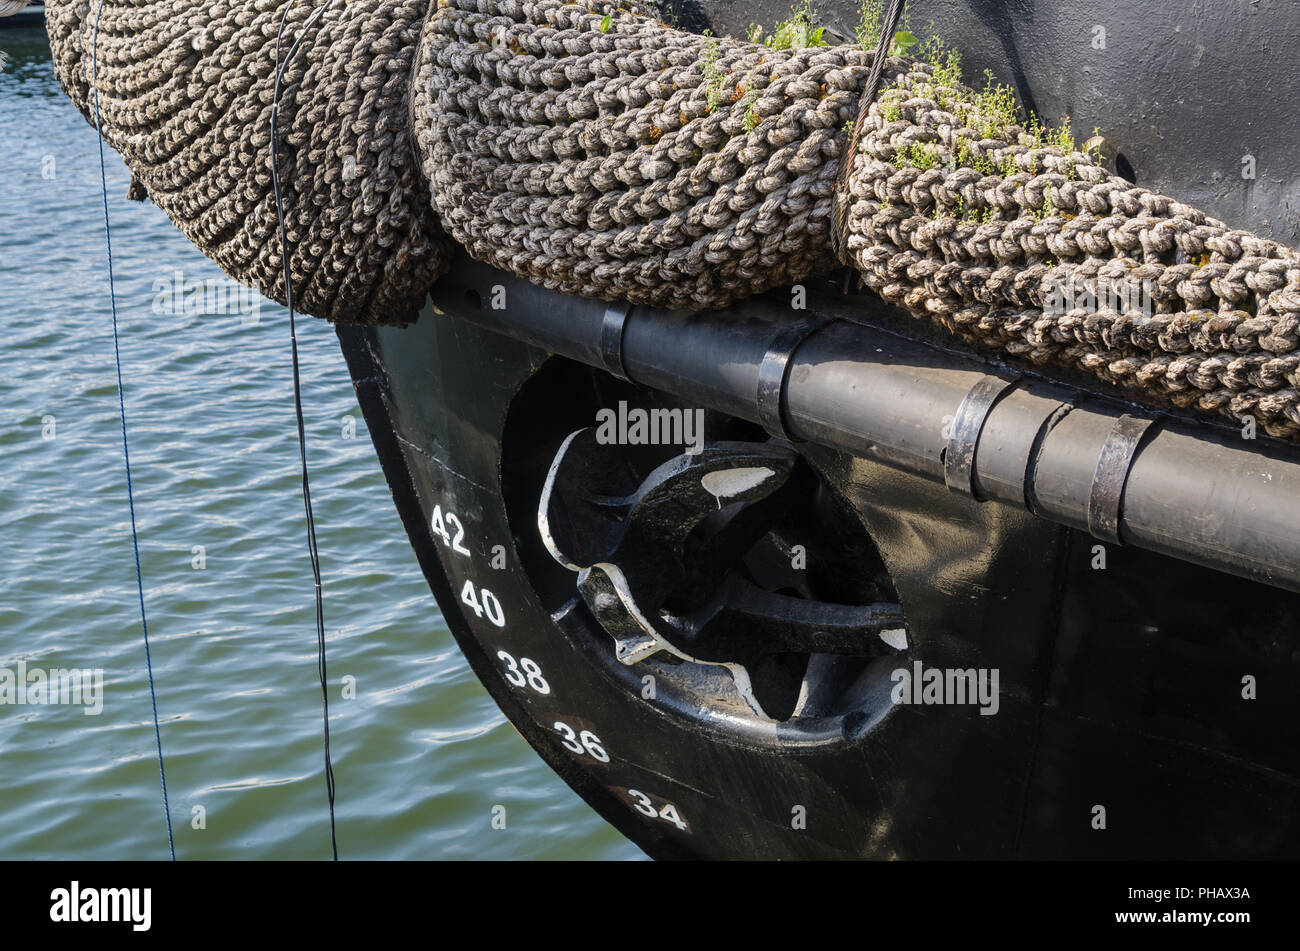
x: 891, y: 105
x: 715, y: 80
x: 1049, y: 205
x: 750, y: 101
x: 920, y: 156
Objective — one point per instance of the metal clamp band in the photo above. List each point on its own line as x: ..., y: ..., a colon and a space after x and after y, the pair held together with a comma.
x: 611, y: 339
x: 1058, y: 413
x: 959, y: 456
x: 774, y: 371
x: 1113, y: 466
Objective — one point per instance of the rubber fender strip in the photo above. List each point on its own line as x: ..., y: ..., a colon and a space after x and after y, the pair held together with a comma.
x: 611, y: 339
x: 964, y: 436
x: 1106, y: 500
x: 774, y: 372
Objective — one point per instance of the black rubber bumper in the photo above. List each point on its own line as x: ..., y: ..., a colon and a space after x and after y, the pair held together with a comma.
x: 1197, y: 492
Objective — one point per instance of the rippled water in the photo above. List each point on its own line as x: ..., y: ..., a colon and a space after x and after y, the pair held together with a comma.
x: 421, y: 754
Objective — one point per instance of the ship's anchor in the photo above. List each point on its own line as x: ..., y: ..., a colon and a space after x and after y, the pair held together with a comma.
x: 661, y: 568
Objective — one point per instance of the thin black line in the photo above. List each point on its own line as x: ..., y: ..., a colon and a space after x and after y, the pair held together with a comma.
x: 126, y: 451
x: 297, y: 399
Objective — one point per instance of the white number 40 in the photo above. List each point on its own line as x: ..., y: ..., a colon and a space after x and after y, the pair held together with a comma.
x: 645, y: 805
x: 584, y: 742
x: 483, y: 602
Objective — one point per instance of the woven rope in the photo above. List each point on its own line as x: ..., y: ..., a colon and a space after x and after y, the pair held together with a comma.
x: 185, y: 92
x: 600, y: 153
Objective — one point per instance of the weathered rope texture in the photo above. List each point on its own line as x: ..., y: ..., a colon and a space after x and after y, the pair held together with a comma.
x: 185, y: 93
x: 636, y: 161
x: 1007, y: 256
x: 598, y: 152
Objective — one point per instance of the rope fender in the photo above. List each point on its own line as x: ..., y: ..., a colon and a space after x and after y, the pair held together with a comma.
x: 595, y: 151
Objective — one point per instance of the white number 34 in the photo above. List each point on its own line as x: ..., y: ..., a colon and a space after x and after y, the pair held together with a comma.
x: 645, y: 805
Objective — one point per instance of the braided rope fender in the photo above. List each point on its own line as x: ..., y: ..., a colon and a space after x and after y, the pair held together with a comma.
x: 185, y: 91
x: 601, y: 162
x: 587, y: 149
x: 597, y: 152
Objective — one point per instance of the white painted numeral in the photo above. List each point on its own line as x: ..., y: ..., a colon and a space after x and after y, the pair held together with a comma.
x: 492, y: 608
x: 580, y: 743
x: 534, y: 673
x: 645, y: 805
x: 456, y: 542
x: 669, y: 813
x: 438, y: 525
x: 524, y: 673
x: 512, y: 670
x: 482, y: 601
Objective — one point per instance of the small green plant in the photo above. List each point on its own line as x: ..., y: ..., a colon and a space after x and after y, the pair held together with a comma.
x: 606, y: 23
x: 891, y: 105
x: 715, y: 80
x: 992, y: 113
x: 1049, y: 205
x: 944, y: 61
x: 750, y: 102
x: 796, y: 33
x: 996, y: 112
x: 1061, y: 137
x: 867, y: 30
x: 868, y: 26
x: 1094, y: 146
x: 919, y: 156
x: 902, y: 42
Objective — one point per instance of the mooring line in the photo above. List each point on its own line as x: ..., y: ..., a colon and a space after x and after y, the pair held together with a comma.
x: 297, y: 393
x: 126, y: 451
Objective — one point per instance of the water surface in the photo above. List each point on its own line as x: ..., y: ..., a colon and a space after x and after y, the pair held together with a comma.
x: 421, y: 754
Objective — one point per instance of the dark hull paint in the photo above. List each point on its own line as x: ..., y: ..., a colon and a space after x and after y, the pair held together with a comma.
x: 1120, y: 687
